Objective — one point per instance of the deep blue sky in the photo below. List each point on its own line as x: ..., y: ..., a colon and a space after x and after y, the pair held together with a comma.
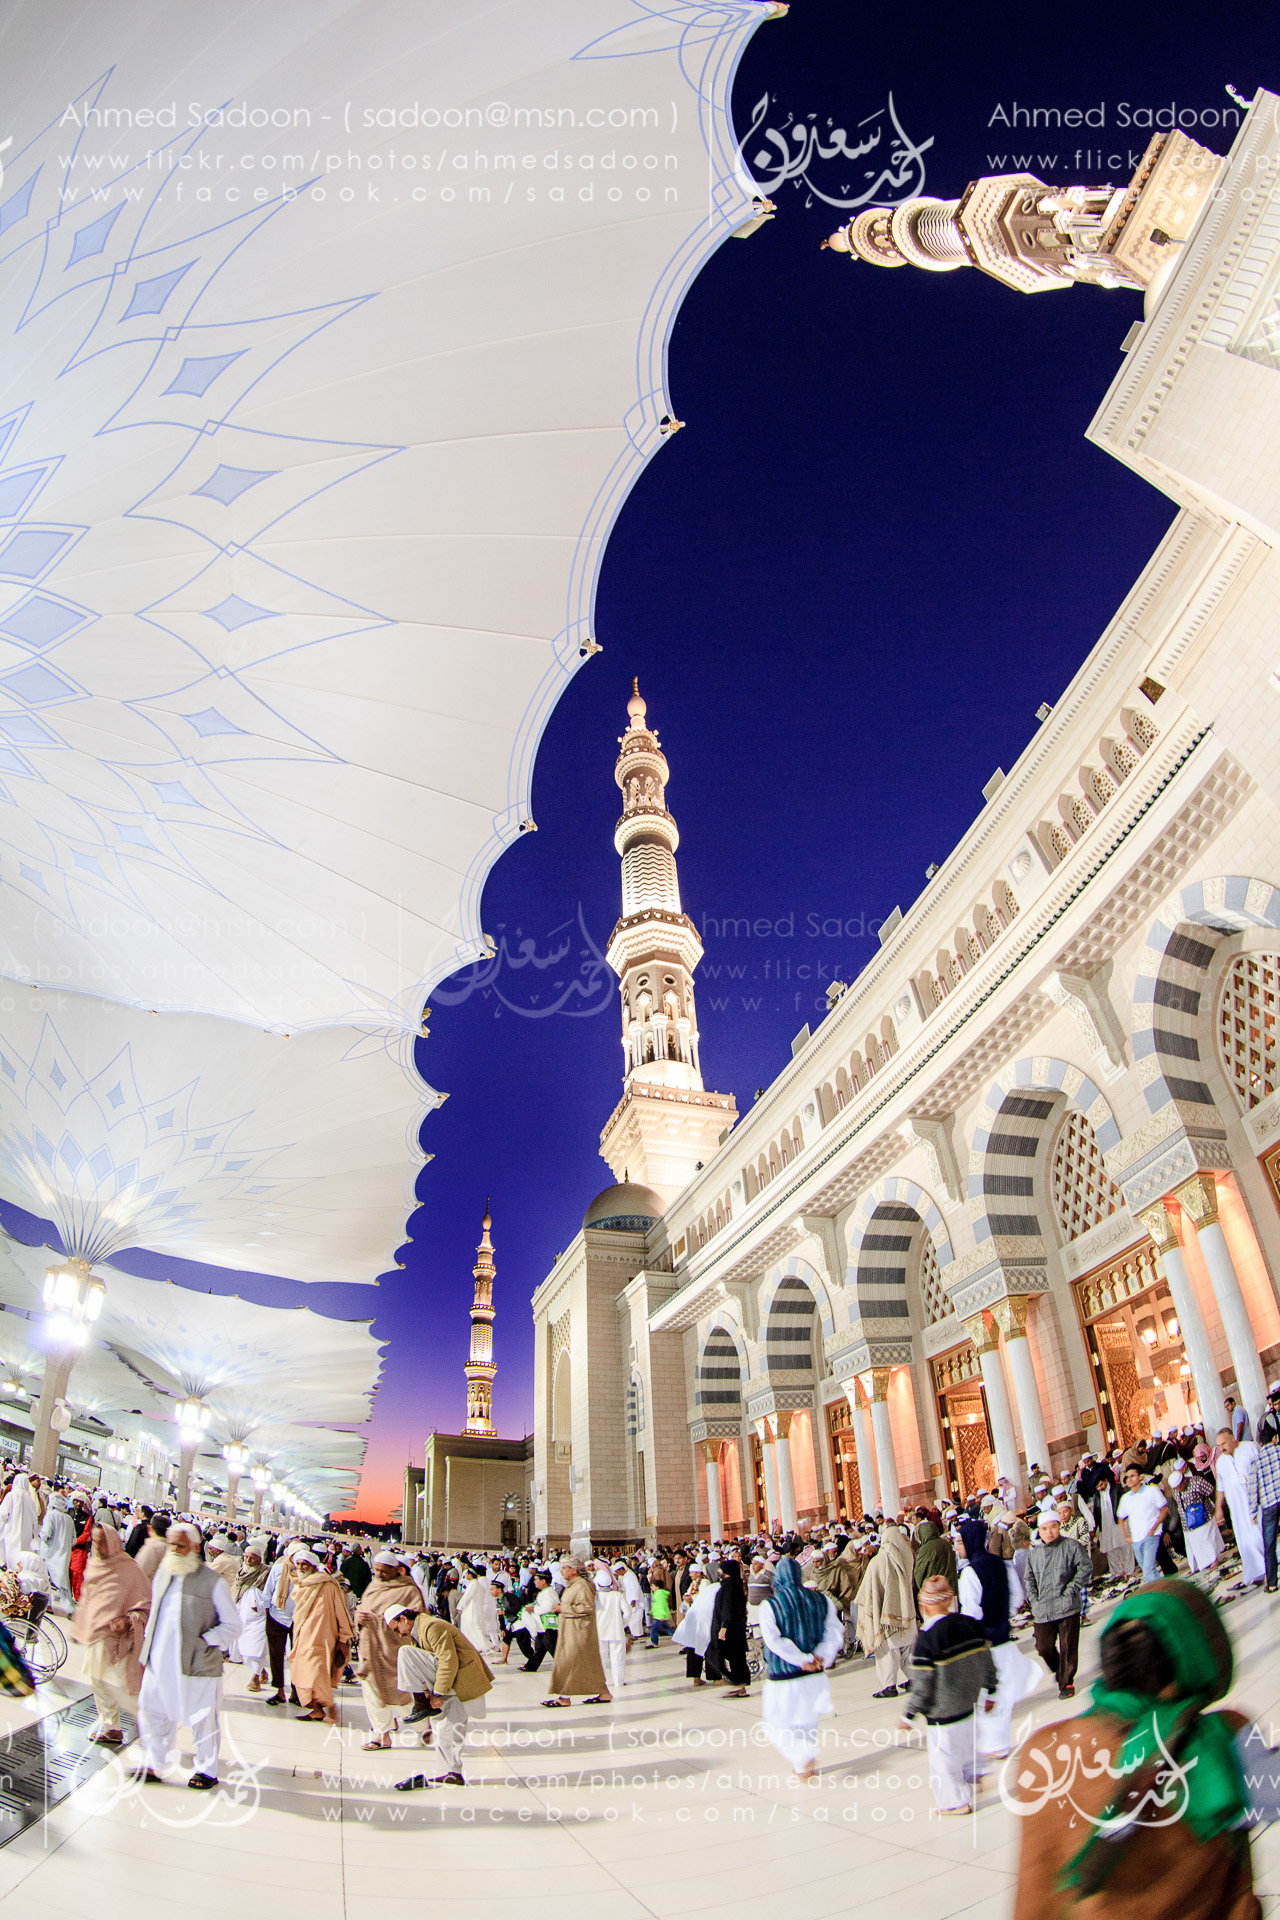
x: 879, y: 544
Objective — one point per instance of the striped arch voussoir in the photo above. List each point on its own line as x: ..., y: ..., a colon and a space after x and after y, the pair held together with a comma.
x: 904, y: 1193
x: 789, y: 1300
x: 1173, y: 973
x: 1008, y: 1134
x: 880, y: 1247
x: 722, y: 1367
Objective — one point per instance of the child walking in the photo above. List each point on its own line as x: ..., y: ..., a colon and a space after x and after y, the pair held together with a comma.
x: 951, y: 1663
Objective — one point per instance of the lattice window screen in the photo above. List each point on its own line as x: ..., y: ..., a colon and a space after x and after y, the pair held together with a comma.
x: 1083, y: 1193
x: 933, y: 1294
x: 1247, y: 1025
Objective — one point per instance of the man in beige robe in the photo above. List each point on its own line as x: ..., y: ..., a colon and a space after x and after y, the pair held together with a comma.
x: 577, y: 1667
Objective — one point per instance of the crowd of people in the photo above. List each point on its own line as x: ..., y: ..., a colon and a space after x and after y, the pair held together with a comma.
x: 935, y: 1600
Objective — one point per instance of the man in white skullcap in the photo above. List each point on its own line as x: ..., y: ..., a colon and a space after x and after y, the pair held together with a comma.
x: 280, y: 1598
x: 192, y: 1625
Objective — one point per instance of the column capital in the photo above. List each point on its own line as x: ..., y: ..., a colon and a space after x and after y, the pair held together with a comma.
x: 711, y: 1451
x: 1010, y: 1315
x: 879, y: 1378
x: 1198, y: 1198
x: 782, y: 1421
x: 764, y: 1432
x: 986, y: 1339
x: 851, y: 1393
x: 1159, y: 1224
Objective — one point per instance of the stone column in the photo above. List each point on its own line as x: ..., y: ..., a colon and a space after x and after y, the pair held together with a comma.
x: 256, y: 1521
x: 1010, y: 1316
x: 1198, y: 1199
x: 1195, y: 1334
x: 715, y: 1522
x: 186, y: 1460
x: 233, y: 1489
x: 868, y: 1478
x: 882, y: 1431
x: 44, y: 1441
x: 986, y: 1341
x: 770, y: 1474
x: 786, y: 1481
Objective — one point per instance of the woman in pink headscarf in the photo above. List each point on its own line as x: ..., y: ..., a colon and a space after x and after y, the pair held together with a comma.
x: 110, y: 1618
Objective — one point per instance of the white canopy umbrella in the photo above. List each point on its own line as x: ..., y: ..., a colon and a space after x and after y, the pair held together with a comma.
x: 335, y: 337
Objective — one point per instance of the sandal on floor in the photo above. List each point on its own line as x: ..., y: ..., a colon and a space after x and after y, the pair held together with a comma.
x: 312, y: 1713
x: 597, y: 1700
x: 375, y: 1746
x: 736, y: 1693
x: 555, y: 1703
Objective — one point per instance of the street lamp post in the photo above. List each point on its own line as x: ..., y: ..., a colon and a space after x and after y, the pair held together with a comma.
x: 73, y: 1299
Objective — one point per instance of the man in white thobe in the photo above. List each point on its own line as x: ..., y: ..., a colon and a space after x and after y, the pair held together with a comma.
x: 19, y: 1521
x: 1231, y: 1466
x: 192, y: 1625
x: 57, y: 1537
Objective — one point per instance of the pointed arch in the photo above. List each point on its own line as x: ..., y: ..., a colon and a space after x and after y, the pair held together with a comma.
x: 789, y: 1301
x: 1010, y: 1128
x: 883, y: 1246
x: 798, y: 1269
x: 1172, y: 977
x: 895, y: 1188
x: 721, y: 1368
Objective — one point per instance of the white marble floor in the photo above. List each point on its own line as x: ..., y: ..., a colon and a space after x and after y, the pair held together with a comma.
x: 667, y: 1803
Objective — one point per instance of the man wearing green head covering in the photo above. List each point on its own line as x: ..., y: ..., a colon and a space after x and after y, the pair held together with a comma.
x: 1139, y: 1808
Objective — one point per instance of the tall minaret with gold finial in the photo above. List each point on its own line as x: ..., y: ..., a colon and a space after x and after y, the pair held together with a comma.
x: 480, y: 1368
x: 666, y: 1124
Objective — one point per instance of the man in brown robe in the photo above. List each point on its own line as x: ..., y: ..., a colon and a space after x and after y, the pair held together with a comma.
x: 321, y: 1638
x: 578, y: 1667
x: 379, y: 1647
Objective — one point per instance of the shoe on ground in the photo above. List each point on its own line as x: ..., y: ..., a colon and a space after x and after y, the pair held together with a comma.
x: 446, y: 1780
x: 203, y: 1782
x: 886, y: 1693
x: 146, y: 1777
x: 422, y: 1713
x: 276, y: 1700
x: 1066, y: 1693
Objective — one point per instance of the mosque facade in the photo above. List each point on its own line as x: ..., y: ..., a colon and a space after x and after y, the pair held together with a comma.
x: 1017, y: 1195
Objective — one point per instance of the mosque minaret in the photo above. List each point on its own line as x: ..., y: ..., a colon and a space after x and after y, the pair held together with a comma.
x: 480, y: 1367
x: 1034, y: 237
x: 666, y: 1124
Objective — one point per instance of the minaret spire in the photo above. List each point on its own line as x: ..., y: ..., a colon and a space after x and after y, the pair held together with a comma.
x: 480, y: 1368
x: 654, y: 949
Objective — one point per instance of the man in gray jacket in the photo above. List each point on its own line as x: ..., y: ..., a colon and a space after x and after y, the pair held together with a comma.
x: 192, y: 1626
x: 1057, y: 1581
